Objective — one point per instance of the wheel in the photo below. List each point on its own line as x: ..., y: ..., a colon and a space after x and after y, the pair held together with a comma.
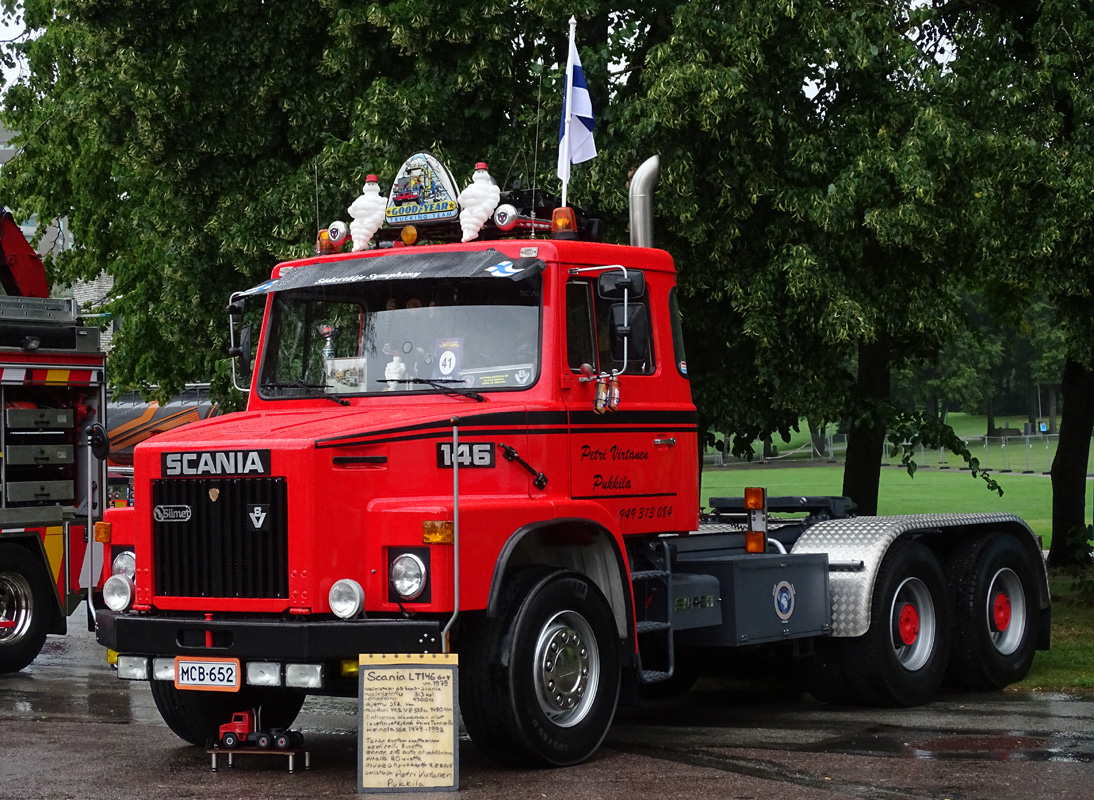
x: 539, y: 684
x: 996, y: 619
x: 281, y: 741
x: 229, y: 740
x: 901, y: 660
x: 25, y: 600
x: 263, y: 741
x: 196, y: 716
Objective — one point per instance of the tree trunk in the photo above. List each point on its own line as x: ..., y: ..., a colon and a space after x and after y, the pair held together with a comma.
x: 1069, y: 521
x: 862, y: 471
x: 817, y: 438
x: 1031, y: 406
x: 1053, y: 421
x: 991, y: 417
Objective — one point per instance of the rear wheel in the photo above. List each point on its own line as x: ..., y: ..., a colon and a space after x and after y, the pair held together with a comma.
x: 901, y: 659
x: 539, y: 684
x: 25, y: 607
x: 196, y: 716
x: 263, y: 741
x: 996, y: 620
x: 281, y: 741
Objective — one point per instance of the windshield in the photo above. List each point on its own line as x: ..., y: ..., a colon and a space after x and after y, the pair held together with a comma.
x: 374, y: 337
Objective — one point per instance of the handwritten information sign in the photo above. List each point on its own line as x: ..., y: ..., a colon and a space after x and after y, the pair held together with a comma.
x: 408, y: 731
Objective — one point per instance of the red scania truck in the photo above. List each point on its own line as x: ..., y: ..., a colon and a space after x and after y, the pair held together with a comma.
x: 490, y: 448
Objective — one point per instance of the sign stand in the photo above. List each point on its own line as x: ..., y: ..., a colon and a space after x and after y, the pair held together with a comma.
x: 409, y: 738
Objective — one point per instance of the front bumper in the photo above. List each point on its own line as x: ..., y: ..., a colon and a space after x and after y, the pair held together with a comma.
x: 275, y: 640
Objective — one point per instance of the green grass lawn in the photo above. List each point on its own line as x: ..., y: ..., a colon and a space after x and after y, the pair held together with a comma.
x: 929, y: 491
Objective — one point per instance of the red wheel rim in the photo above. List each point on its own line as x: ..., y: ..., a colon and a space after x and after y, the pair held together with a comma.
x: 909, y: 624
x: 1001, y: 611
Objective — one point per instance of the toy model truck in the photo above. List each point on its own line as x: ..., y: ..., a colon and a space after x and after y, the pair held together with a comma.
x: 490, y: 448
x: 52, y: 385
x: 244, y: 728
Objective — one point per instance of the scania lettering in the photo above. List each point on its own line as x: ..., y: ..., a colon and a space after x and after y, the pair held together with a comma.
x: 489, y: 447
x: 231, y: 462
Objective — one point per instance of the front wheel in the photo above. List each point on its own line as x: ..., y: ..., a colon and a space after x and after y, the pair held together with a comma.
x: 996, y: 620
x: 24, y: 607
x: 230, y: 741
x: 901, y: 659
x: 196, y: 716
x: 539, y: 684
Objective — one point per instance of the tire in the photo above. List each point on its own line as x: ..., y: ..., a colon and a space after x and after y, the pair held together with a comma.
x: 196, y: 716
x: 901, y: 660
x: 282, y: 742
x: 230, y: 741
x: 539, y: 684
x: 263, y: 741
x: 993, y: 587
x: 25, y: 599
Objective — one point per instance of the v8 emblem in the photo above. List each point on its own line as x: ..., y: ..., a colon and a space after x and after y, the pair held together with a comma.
x: 259, y: 517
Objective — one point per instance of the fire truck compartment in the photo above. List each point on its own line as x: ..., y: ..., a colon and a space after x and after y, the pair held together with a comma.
x: 764, y: 597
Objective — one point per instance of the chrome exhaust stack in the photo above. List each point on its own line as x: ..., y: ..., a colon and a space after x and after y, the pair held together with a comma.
x: 641, y: 201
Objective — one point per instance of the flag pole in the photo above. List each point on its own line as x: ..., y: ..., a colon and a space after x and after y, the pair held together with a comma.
x: 569, y: 105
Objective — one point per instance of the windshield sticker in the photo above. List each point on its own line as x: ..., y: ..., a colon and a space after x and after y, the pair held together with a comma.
x: 503, y: 269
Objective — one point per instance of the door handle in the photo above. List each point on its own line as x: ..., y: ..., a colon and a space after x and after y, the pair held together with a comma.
x: 670, y: 441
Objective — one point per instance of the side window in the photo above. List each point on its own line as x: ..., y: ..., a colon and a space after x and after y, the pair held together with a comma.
x: 677, y: 332
x: 580, y: 344
x: 608, y: 362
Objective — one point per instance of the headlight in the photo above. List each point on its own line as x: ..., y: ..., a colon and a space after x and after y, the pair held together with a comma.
x: 347, y: 598
x: 118, y: 592
x: 408, y: 575
x: 125, y: 563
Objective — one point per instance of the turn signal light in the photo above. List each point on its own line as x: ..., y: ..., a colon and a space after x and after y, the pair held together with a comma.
x: 438, y: 532
x: 102, y: 532
x: 563, y: 224
x: 409, y: 235
x: 755, y: 542
x: 755, y: 498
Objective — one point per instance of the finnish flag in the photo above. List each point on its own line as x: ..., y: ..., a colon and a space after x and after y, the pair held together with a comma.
x: 575, y: 135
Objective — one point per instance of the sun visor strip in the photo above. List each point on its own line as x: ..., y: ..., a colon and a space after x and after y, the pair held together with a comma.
x: 402, y: 266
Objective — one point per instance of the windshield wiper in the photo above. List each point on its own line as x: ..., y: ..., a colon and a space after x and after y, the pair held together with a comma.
x: 445, y: 385
x: 311, y: 390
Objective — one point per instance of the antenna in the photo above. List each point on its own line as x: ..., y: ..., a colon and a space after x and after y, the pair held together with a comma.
x: 315, y: 163
x: 535, y: 158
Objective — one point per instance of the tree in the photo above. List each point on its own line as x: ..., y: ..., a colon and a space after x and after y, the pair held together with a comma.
x: 193, y: 145
x: 814, y: 182
x: 1025, y: 68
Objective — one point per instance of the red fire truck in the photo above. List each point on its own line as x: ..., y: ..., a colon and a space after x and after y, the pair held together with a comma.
x: 491, y: 448
x: 52, y: 385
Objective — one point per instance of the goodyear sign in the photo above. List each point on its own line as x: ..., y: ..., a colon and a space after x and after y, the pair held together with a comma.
x: 423, y: 191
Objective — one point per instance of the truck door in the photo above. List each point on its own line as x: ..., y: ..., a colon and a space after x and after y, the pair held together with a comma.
x: 625, y: 459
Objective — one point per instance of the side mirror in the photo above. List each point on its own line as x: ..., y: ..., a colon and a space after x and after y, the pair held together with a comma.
x: 242, y: 351
x: 235, y: 311
x: 629, y: 335
x: 99, y: 441
x: 611, y: 284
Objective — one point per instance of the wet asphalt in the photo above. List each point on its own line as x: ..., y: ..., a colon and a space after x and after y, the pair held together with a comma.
x: 70, y: 729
